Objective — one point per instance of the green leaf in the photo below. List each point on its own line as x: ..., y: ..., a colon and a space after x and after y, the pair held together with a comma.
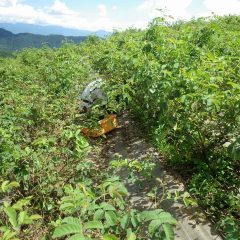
x: 3, y: 228
x: 93, y: 225
x: 117, y: 190
x: 66, y: 205
x: 125, y: 221
x: 107, y: 207
x: 22, y: 217
x: 150, y: 215
x: 35, y: 217
x: 66, y: 229
x: 98, y: 215
x: 21, y: 203
x: 4, y: 186
x: 78, y: 236
x: 168, y: 230
x: 72, y: 220
x: 109, y: 237
x: 111, y: 218
x: 9, y: 235
x: 153, y: 226
x: 134, y: 221
x: 7, y: 186
x: 164, y: 218
x: 93, y: 207
x: 131, y: 235
x: 12, y: 215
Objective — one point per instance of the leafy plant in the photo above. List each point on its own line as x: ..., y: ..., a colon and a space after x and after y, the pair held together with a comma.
x: 183, y: 85
x: 102, y: 212
x: 16, y: 214
x: 138, y: 170
x: 179, y: 80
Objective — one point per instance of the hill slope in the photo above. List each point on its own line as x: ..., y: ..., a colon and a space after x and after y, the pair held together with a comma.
x: 11, y: 42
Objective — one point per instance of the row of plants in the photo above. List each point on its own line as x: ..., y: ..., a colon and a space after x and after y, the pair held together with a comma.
x: 52, y: 184
x: 87, y: 210
x: 39, y: 138
x: 181, y: 81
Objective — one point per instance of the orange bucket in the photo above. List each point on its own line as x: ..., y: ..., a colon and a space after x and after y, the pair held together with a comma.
x: 106, y: 125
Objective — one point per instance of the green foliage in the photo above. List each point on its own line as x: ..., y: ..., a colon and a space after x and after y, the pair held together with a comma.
x: 183, y: 85
x: 99, y: 211
x: 180, y: 80
x: 40, y: 135
x: 137, y: 170
x: 16, y: 215
x: 7, y: 186
x: 5, y: 53
x: 230, y: 226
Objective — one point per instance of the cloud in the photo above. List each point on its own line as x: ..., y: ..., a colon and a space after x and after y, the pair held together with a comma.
x: 102, y: 10
x: 59, y: 7
x: 8, y: 2
x: 12, y: 11
x: 179, y: 8
x: 175, y: 8
x: 146, y: 6
x: 222, y: 7
x: 58, y: 14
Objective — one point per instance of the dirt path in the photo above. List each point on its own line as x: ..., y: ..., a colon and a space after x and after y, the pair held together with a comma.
x: 127, y: 143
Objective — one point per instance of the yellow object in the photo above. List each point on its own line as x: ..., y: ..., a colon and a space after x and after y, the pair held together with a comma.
x: 106, y: 125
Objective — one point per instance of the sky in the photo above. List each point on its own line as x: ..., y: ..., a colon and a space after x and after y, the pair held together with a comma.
x: 108, y: 14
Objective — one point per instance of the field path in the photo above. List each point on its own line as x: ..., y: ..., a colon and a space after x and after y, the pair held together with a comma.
x: 128, y: 142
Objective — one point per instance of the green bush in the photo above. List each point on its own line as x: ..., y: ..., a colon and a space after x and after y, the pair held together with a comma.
x: 182, y: 82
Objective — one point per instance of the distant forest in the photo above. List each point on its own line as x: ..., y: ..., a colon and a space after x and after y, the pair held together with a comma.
x: 11, y: 42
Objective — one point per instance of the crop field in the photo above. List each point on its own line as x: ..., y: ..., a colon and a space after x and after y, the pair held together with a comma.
x: 181, y: 82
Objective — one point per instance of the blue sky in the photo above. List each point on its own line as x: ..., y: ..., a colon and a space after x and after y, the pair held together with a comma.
x: 108, y: 14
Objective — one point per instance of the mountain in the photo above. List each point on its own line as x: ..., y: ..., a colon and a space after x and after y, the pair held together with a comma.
x: 48, y: 30
x: 11, y: 42
x: 5, y: 33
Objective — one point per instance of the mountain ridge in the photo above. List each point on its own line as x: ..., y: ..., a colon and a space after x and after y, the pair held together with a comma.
x: 50, y: 29
x: 11, y: 42
x: 5, y: 33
